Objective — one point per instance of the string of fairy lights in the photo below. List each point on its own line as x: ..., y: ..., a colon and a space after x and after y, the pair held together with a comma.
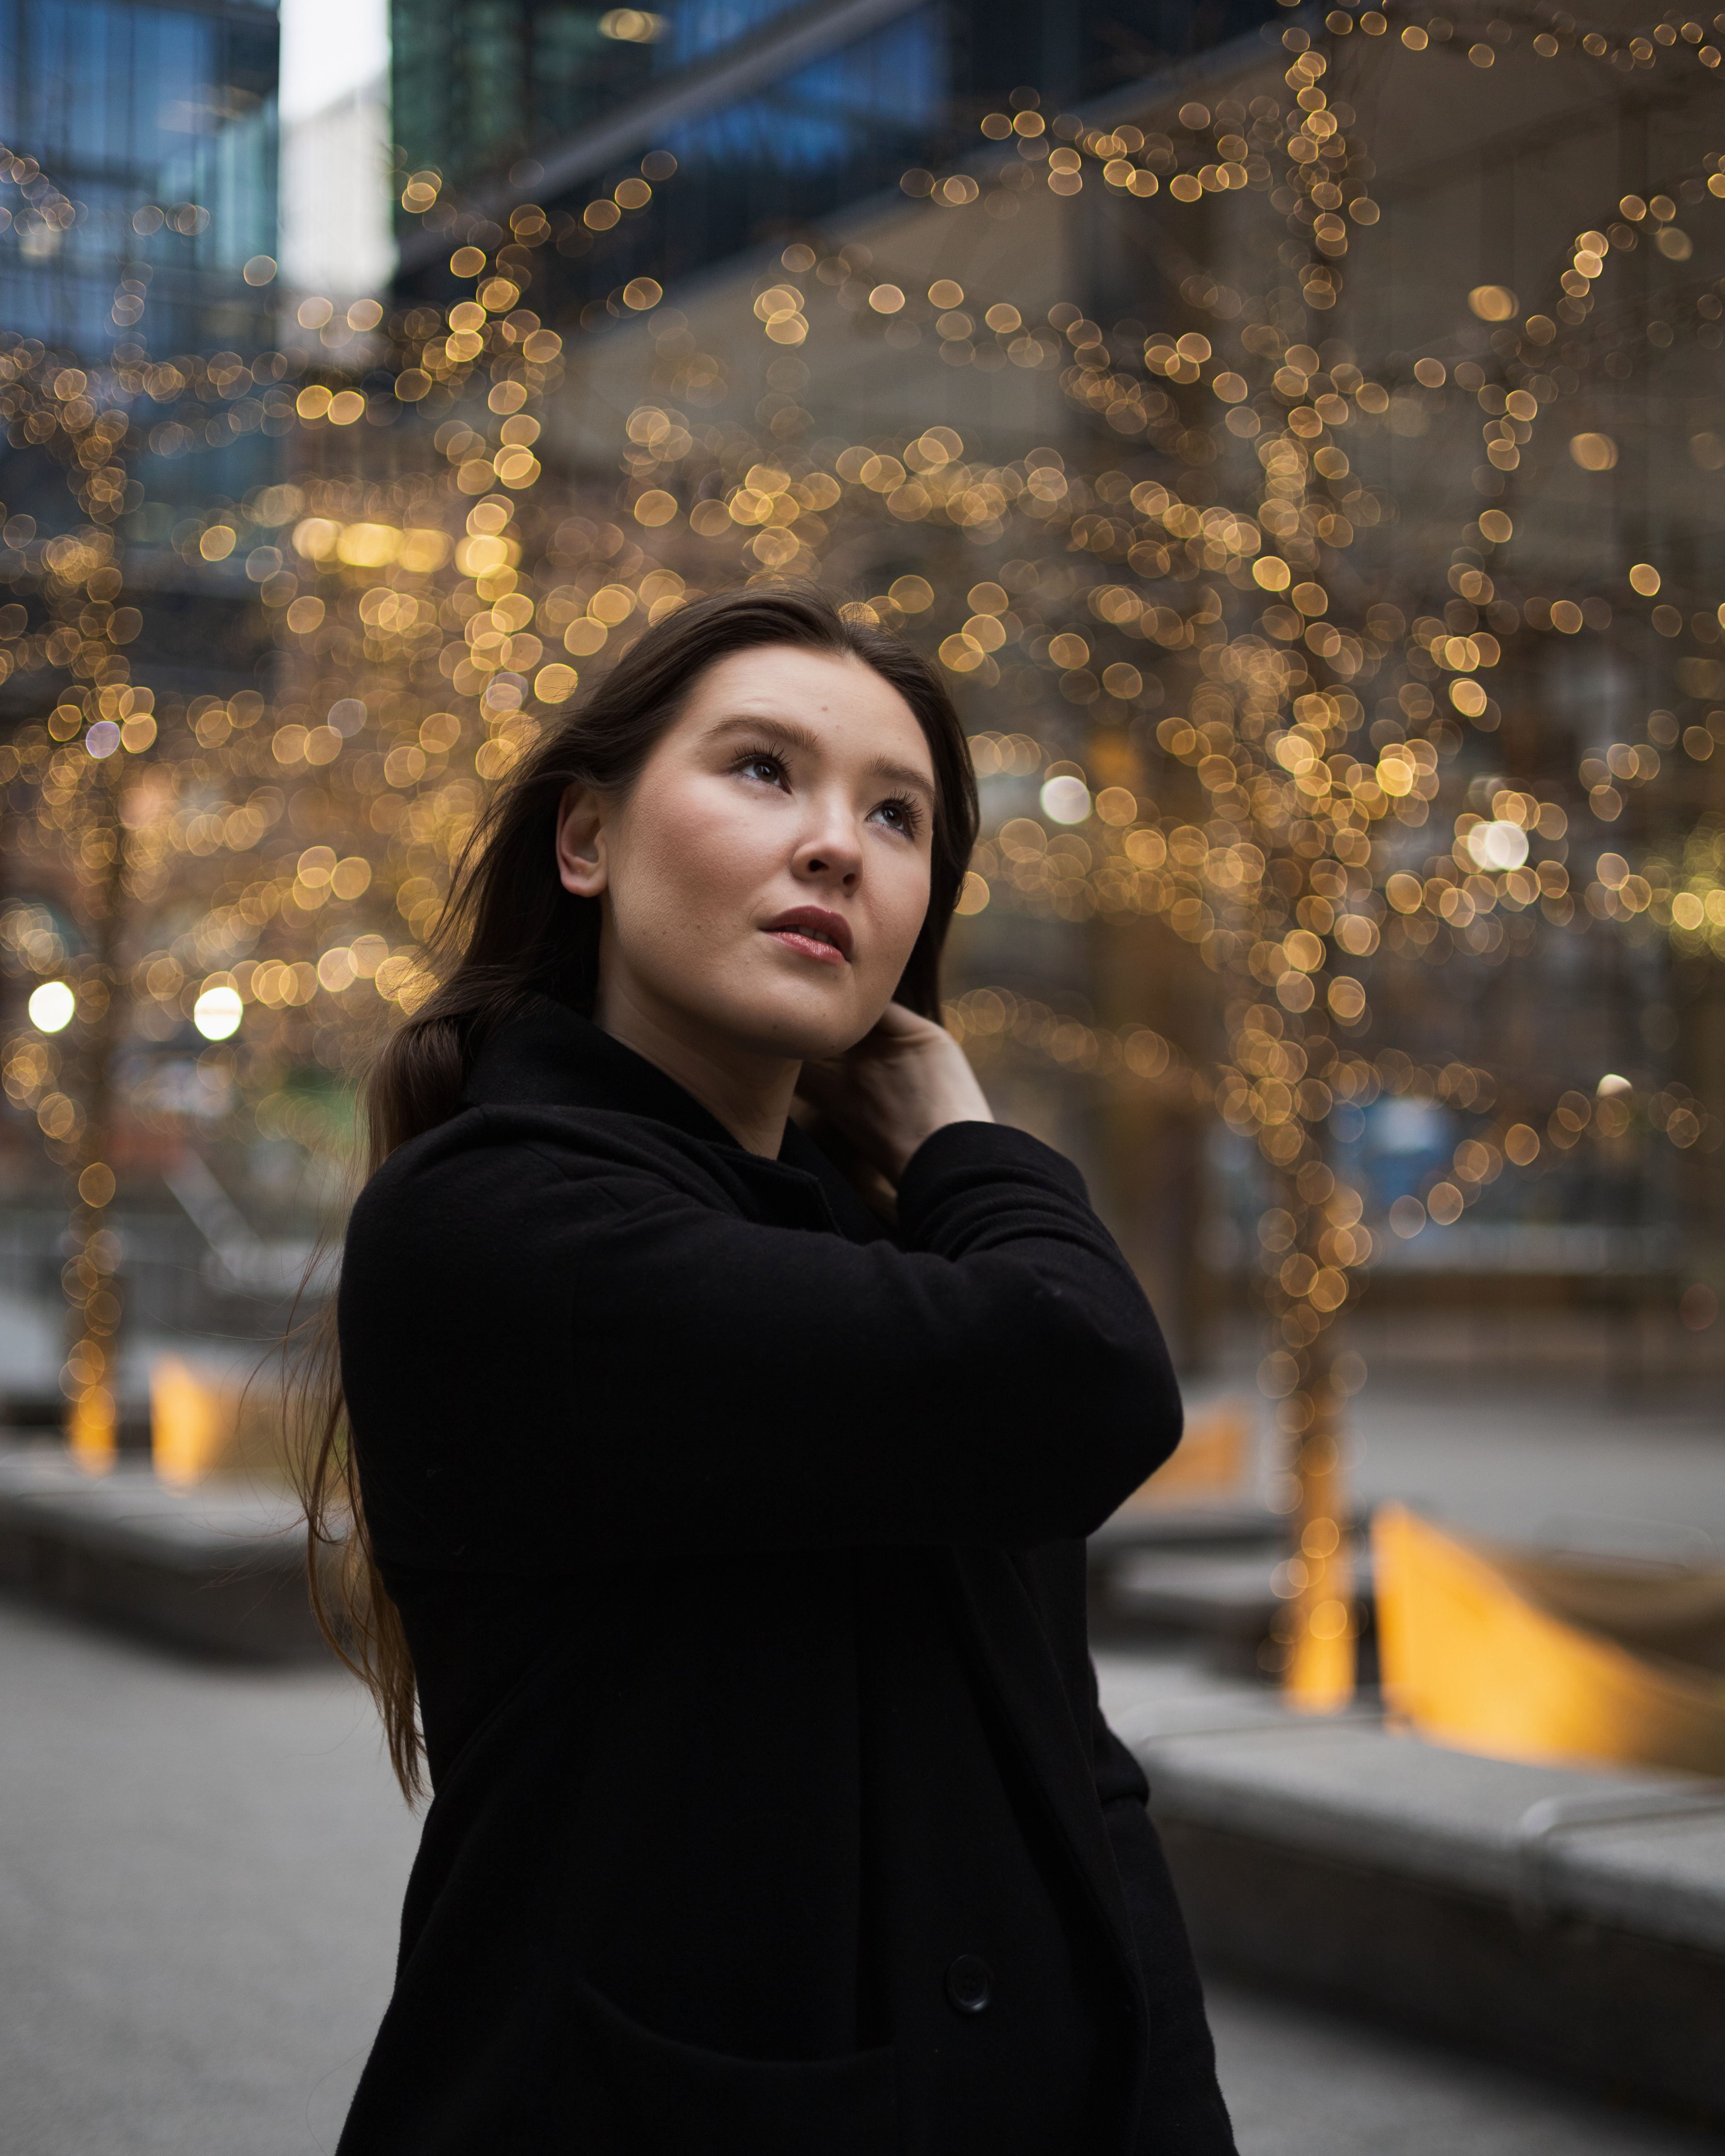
x: 270, y: 862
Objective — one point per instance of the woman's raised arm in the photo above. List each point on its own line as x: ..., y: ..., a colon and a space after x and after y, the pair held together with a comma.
x: 640, y: 1370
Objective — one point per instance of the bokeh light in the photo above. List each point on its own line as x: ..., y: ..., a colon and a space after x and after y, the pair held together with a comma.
x: 217, y: 1012
x: 52, y: 1007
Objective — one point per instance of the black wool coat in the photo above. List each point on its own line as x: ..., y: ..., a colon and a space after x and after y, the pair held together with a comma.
x: 738, y: 1540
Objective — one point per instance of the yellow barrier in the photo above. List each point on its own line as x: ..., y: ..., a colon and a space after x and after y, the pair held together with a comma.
x: 192, y: 1421
x: 201, y: 1425
x: 1548, y: 1659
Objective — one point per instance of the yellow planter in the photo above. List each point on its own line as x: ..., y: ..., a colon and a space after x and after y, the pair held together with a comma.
x: 1545, y: 1658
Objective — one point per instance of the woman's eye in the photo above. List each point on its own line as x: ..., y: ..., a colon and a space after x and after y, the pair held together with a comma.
x: 900, y: 815
x: 767, y: 767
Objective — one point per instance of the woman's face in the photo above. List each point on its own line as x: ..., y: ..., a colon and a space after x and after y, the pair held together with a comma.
x: 767, y: 876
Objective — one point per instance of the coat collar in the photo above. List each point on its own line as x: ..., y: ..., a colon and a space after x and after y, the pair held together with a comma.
x: 545, y: 1055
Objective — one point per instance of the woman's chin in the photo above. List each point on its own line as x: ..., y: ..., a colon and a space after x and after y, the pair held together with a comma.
x: 808, y: 1012
x: 804, y: 1028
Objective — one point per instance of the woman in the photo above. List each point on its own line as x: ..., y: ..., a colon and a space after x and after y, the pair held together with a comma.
x: 729, y: 1533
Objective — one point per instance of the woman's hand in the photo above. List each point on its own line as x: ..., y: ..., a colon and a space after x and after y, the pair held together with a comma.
x: 899, y: 1084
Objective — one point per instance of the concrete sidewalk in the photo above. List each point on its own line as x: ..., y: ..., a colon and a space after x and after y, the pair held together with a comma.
x: 1537, y: 1462
x: 200, y: 1870
x: 1301, y: 2082
x: 200, y: 1874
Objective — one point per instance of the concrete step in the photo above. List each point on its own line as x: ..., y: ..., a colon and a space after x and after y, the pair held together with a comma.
x: 1572, y: 1920
x: 219, y: 1568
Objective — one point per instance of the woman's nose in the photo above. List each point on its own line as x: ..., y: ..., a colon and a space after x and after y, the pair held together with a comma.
x: 829, y: 847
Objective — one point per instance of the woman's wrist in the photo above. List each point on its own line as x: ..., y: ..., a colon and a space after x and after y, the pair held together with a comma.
x: 912, y: 1142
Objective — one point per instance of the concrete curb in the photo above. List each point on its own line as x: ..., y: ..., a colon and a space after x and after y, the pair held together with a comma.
x: 1572, y: 1920
x: 219, y: 1569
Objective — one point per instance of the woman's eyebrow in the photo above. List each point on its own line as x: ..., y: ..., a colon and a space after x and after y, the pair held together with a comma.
x: 784, y: 730
x: 903, y: 774
x: 798, y: 736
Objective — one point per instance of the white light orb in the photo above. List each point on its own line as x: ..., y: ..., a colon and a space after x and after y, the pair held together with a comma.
x: 1066, y: 800
x: 217, y: 1013
x: 51, y: 1007
x: 1498, y: 846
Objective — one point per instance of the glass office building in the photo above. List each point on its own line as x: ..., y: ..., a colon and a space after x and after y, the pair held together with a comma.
x: 777, y: 114
x: 143, y: 157
x: 137, y: 180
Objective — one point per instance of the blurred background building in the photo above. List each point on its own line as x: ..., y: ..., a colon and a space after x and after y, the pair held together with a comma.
x: 777, y: 115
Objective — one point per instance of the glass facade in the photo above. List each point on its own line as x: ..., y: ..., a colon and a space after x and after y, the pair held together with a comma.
x: 140, y: 144
x: 480, y: 87
x: 488, y: 95
x: 144, y: 148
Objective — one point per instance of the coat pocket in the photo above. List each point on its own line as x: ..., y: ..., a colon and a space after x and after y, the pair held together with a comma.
x: 634, y: 2093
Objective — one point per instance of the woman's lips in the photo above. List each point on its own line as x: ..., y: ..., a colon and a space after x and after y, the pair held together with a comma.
x: 814, y: 932
x: 809, y: 945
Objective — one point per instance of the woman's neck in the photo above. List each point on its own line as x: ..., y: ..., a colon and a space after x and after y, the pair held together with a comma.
x: 748, y: 1093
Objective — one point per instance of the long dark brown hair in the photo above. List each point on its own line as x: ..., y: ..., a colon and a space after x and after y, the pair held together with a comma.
x: 510, y: 931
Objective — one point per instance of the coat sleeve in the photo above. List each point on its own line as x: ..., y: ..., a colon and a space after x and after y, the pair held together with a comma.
x: 572, y: 1339
x: 1183, y: 2111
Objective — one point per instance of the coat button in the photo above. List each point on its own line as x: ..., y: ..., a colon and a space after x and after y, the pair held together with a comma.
x: 970, y: 1983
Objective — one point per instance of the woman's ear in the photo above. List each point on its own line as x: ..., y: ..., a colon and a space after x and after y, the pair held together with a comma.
x: 581, y: 843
